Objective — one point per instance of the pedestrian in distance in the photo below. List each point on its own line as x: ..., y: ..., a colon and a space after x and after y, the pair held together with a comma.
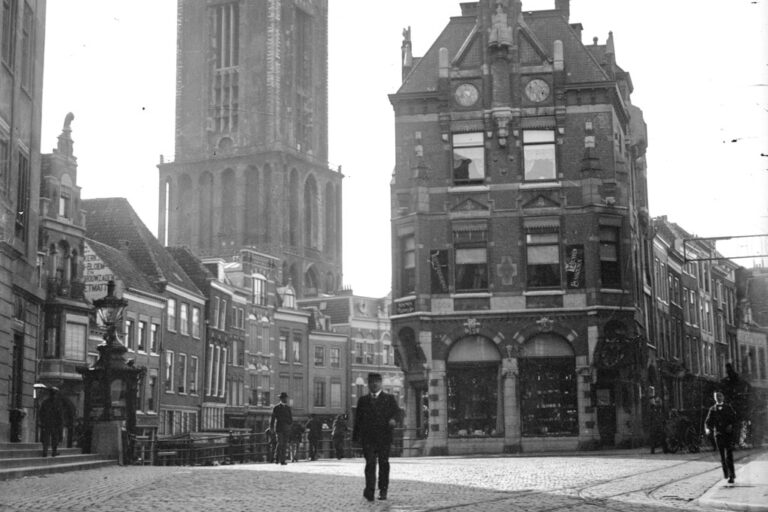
x: 280, y: 423
x: 315, y: 428
x: 721, y: 422
x: 658, y: 436
x: 339, y: 432
x: 297, y: 435
x: 51, y: 421
x: 377, y: 414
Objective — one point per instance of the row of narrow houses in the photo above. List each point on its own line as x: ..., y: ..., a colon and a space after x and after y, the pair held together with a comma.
x: 535, y: 302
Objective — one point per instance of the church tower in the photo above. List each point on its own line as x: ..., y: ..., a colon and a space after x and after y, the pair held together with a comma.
x: 251, y: 164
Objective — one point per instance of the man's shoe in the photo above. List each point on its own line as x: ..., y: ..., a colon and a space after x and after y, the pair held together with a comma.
x: 283, y: 463
x: 730, y: 480
x: 368, y: 494
x: 382, y: 495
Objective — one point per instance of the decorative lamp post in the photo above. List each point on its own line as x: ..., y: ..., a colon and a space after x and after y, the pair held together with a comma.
x: 111, y: 384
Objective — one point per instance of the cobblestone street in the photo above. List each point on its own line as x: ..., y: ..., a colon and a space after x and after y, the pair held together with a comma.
x: 628, y: 481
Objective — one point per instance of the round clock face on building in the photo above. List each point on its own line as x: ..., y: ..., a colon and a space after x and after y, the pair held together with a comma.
x: 537, y: 90
x: 466, y: 95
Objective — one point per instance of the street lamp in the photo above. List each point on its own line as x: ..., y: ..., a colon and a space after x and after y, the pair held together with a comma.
x: 111, y: 384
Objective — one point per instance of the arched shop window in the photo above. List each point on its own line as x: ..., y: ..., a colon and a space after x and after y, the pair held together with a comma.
x: 548, y: 401
x: 474, y: 408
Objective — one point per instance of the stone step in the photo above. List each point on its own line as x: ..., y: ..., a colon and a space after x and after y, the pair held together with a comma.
x: 18, y: 462
x: 35, y: 451
x: 19, y: 446
x: 19, y: 472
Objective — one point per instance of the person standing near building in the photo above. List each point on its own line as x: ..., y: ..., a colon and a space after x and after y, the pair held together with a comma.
x: 51, y: 421
x: 721, y: 420
x: 338, y: 434
x: 280, y: 424
x: 376, y: 418
x: 315, y: 428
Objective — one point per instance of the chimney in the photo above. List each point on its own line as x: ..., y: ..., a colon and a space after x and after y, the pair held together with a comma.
x: 564, y: 6
x: 469, y: 8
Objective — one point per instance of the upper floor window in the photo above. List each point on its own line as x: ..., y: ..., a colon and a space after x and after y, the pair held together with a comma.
x: 468, y: 158
x: 296, y: 344
x: 27, y: 49
x: 154, y: 338
x: 259, y: 290
x: 184, y: 318
x: 171, y: 314
x: 223, y: 316
x: 319, y: 356
x: 471, y: 258
x: 8, y: 45
x: 130, y: 334
x: 333, y: 357
x: 195, y: 322
x: 539, y: 155
x: 64, y: 202
x: 142, y: 346
x: 283, y: 346
x: 215, y: 315
x: 74, y: 341
x: 408, y: 265
x: 543, y: 260
x: 610, y: 274
x: 22, y: 197
x: 5, y: 163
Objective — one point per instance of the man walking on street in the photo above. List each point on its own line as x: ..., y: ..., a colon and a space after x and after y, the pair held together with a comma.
x: 280, y: 424
x: 376, y: 418
x: 315, y: 428
x: 50, y: 418
x: 720, y: 421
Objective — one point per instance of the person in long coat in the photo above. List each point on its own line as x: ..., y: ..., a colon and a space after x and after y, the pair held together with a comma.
x: 280, y: 423
x: 721, y: 422
x: 375, y: 420
x: 51, y: 419
x: 338, y: 434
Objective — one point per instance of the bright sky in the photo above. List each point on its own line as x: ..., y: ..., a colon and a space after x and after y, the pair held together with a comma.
x: 699, y: 68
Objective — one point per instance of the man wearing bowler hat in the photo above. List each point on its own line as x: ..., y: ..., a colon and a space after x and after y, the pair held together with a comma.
x: 280, y: 424
x: 376, y: 417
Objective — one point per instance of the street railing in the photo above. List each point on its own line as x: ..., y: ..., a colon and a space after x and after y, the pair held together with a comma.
x: 238, y: 446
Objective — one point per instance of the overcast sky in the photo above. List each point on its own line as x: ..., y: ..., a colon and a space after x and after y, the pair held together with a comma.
x: 699, y: 69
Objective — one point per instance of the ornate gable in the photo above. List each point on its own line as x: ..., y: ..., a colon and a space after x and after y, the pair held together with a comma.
x: 470, y: 205
x: 541, y: 201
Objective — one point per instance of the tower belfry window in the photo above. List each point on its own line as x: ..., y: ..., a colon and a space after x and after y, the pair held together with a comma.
x: 225, y: 41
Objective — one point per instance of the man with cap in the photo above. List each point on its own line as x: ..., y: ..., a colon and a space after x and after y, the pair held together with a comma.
x: 376, y: 417
x: 281, y: 425
x: 51, y: 420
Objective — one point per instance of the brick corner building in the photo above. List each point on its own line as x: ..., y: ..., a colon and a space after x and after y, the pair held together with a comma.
x: 519, y: 224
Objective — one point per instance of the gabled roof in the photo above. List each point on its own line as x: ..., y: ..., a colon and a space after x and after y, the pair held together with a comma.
x: 194, y: 268
x: 423, y: 76
x: 580, y: 65
x: 543, y: 27
x: 122, y: 266
x: 112, y: 221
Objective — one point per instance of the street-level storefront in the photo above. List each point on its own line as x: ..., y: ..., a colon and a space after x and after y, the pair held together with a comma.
x: 522, y: 387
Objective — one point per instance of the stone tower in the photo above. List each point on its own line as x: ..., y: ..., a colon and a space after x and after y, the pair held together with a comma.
x: 251, y: 164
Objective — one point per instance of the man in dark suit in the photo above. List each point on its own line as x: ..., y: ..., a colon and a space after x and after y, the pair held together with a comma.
x: 720, y: 422
x: 376, y: 417
x: 281, y: 425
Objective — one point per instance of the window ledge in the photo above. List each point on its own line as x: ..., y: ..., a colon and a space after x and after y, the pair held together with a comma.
x: 455, y: 188
x: 406, y: 298
x: 470, y: 295
x: 613, y: 290
x: 533, y: 293
x: 543, y: 184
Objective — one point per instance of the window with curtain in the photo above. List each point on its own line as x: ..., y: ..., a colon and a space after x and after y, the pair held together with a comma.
x: 74, y: 343
x: 468, y: 158
x: 539, y: 155
x: 543, y: 260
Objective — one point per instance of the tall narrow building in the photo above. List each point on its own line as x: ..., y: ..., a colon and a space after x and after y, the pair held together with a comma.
x: 251, y: 164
